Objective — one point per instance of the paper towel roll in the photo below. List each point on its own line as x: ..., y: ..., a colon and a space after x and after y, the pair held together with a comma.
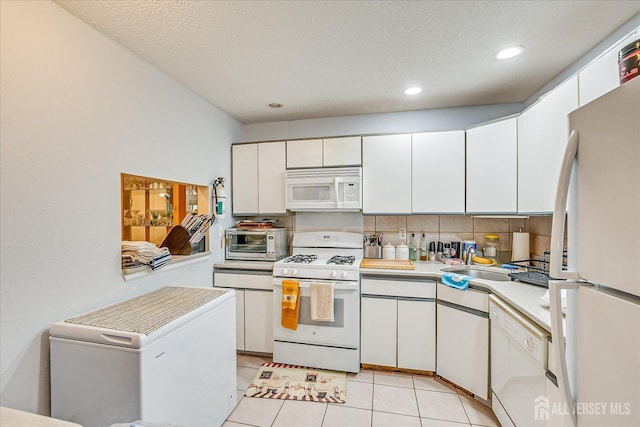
x: 520, y: 247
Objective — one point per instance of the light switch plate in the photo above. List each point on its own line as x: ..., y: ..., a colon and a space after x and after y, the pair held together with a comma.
x: 402, y: 234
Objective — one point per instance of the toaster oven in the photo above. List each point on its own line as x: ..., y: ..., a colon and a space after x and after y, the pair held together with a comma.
x: 256, y: 244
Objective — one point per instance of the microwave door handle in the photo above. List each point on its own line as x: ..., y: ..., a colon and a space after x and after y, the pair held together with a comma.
x: 336, y: 186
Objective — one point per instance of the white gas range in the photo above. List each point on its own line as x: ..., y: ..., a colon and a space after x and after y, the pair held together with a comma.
x: 321, y: 257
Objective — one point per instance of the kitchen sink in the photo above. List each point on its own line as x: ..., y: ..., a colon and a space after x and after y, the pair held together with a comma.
x: 480, y: 274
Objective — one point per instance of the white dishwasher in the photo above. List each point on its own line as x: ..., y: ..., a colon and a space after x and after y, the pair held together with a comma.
x: 164, y: 357
x: 518, y: 366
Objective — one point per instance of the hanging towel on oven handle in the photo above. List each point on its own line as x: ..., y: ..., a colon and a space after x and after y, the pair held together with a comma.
x: 290, y: 304
x: 321, y: 301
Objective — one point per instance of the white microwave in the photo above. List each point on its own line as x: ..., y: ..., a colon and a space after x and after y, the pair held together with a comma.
x: 324, y: 189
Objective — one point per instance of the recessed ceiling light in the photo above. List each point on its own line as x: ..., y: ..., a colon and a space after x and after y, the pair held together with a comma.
x: 412, y: 91
x: 509, y: 52
x: 275, y: 105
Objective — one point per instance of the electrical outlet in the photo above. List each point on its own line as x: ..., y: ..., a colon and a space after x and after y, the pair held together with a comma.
x: 402, y: 234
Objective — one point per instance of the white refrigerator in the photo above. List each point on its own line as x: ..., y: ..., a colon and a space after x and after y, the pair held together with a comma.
x: 165, y: 358
x: 599, y: 191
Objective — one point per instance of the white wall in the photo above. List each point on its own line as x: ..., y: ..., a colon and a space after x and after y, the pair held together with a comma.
x: 77, y: 109
x: 401, y: 122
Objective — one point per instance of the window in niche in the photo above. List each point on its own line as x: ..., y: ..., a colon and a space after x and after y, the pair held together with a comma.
x: 151, y: 207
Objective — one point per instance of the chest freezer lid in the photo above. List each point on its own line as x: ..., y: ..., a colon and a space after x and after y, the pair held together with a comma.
x: 141, y: 319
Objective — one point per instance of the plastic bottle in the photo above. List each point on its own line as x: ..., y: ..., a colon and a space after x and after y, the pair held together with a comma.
x: 413, y: 248
x: 423, y: 248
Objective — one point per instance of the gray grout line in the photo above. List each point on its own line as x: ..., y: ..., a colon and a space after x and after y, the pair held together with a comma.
x: 463, y: 408
x: 277, y: 413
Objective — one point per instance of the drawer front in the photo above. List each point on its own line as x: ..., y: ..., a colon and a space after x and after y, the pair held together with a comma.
x: 243, y: 281
x: 398, y: 288
x: 470, y: 298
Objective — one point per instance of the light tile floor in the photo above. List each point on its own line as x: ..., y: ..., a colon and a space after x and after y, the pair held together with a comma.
x: 374, y: 399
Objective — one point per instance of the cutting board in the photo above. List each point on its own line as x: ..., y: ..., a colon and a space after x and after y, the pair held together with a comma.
x: 392, y: 264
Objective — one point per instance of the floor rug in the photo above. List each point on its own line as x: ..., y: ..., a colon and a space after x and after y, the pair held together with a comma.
x: 280, y: 381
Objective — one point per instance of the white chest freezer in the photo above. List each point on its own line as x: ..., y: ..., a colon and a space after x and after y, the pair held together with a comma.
x: 164, y: 357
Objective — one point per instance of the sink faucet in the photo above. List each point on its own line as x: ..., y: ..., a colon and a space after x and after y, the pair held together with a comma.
x: 468, y: 254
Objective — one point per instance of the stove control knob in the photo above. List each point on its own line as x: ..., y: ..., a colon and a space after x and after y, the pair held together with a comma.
x: 333, y: 274
x: 294, y: 272
x: 285, y: 271
x: 344, y: 274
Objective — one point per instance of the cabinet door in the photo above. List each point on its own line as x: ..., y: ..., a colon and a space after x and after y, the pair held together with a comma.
x: 244, y: 179
x: 437, y: 168
x: 258, y: 318
x: 543, y: 131
x: 417, y: 335
x: 304, y: 154
x: 271, y: 166
x: 492, y: 173
x: 378, y: 331
x: 463, y: 349
x: 342, y: 151
x: 386, y: 174
x: 602, y: 75
x: 240, y: 319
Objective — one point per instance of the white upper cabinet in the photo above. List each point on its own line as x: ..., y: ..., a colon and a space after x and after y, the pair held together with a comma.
x: 345, y: 151
x: 305, y: 153
x: 386, y: 174
x: 244, y: 178
x: 602, y: 75
x: 271, y: 171
x: 492, y: 172
x: 437, y: 169
x: 258, y: 178
x: 315, y: 153
x: 543, y: 131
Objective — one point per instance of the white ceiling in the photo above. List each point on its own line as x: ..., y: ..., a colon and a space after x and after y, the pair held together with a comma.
x: 336, y: 58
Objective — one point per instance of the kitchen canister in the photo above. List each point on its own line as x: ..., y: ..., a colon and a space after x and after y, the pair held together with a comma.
x: 388, y: 251
x: 491, y: 245
x: 373, y: 251
x: 402, y: 252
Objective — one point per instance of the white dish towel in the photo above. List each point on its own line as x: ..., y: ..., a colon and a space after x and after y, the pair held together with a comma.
x: 321, y: 301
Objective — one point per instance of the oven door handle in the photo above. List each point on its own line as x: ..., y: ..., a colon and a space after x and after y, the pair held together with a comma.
x: 307, y: 284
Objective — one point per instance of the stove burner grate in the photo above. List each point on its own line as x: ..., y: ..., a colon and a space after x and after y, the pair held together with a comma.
x: 341, y: 260
x: 301, y: 259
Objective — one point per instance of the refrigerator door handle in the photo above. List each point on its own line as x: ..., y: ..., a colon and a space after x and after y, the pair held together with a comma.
x: 558, y: 342
x: 560, y: 210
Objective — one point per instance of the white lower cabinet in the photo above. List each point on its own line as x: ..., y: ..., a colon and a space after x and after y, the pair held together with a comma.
x: 258, y: 321
x: 463, y: 339
x: 378, y: 331
x: 416, y: 334
x: 254, y: 307
x: 239, y: 319
x: 398, y: 323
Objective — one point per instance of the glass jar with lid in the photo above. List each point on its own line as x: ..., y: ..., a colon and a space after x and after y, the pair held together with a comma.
x: 492, y: 243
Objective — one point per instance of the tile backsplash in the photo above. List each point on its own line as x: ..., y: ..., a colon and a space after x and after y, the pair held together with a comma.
x: 448, y: 228
x: 445, y: 228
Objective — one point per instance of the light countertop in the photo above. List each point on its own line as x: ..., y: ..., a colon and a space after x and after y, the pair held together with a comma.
x: 244, y: 265
x: 16, y: 418
x: 523, y: 297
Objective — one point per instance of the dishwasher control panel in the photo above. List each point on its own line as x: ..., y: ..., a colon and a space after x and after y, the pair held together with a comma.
x: 521, y: 330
